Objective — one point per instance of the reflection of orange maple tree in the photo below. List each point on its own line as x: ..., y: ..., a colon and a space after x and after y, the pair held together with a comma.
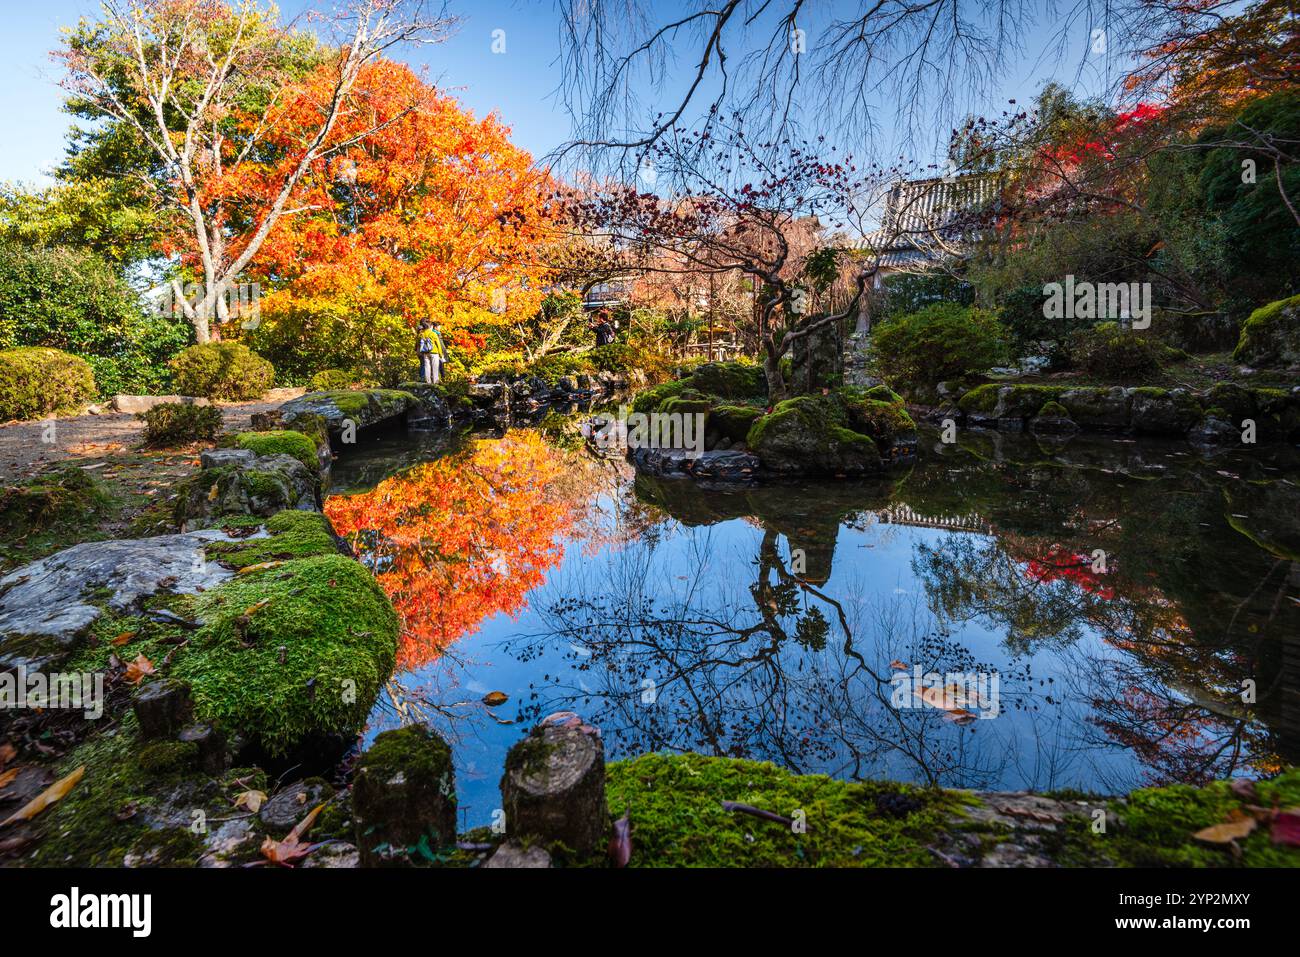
x: 457, y: 540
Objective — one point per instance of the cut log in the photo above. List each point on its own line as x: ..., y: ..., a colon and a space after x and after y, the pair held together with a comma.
x: 404, y: 790
x: 553, y: 788
x: 163, y: 708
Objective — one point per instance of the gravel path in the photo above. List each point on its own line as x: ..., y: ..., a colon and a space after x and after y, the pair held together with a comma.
x: 22, y: 451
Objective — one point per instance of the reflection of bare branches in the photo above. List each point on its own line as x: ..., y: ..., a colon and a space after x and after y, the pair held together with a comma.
x: 701, y: 662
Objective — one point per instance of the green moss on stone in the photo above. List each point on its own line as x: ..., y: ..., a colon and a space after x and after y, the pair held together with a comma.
x: 283, y: 442
x: 291, y: 534
x: 291, y: 653
x: 678, y: 820
x: 733, y: 421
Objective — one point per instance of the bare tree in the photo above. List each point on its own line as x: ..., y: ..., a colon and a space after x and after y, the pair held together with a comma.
x: 177, y: 73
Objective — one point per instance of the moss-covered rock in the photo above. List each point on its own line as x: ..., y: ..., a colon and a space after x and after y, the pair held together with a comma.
x: 404, y: 797
x: 292, y: 654
x: 289, y: 535
x: 1164, y: 411
x: 733, y: 421
x: 650, y: 400
x: 880, y: 419
x: 1271, y: 335
x: 1094, y: 408
x: 281, y: 442
x: 263, y: 486
x: 809, y: 435
x: 678, y: 818
x: 730, y: 380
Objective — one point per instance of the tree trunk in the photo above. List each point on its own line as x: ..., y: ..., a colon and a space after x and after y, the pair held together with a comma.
x: 776, y: 387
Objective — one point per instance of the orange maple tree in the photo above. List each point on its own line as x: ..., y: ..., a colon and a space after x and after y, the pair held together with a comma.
x: 431, y: 213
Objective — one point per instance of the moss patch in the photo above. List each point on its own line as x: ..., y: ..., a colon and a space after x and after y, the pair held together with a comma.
x: 292, y: 534
x: 281, y: 441
x: 293, y: 652
x: 675, y: 803
x: 1271, y: 335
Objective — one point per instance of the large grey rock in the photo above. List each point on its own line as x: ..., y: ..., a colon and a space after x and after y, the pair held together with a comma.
x: 514, y: 854
x: 143, y: 403
x: 219, y: 458
x: 1094, y: 408
x: 50, y: 598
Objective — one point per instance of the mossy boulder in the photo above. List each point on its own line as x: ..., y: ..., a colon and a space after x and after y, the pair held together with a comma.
x: 404, y: 797
x: 291, y: 655
x: 1164, y: 411
x: 650, y: 400
x: 733, y: 421
x: 1271, y: 335
x: 281, y: 442
x: 1235, y: 402
x: 1053, y: 418
x: 882, y: 420
x: 1097, y: 408
x: 261, y: 485
x: 730, y: 380
x: 63, y: 498
x: 284, y: 536
x: 336, y: 409
x: 809, y: 435
x: 996, y: 401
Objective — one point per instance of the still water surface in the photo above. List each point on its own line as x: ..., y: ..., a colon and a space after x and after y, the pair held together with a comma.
x: 1130, y: 599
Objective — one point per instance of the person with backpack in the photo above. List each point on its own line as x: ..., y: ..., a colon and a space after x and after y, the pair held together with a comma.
x: 432, y: 351
x: 603, y: 327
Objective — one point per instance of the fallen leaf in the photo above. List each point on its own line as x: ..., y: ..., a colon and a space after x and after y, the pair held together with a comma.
x: 7, y: 752
x: 123, y: 638
x: 256, y: 606
x: 1286, y: 827
x: 897, y: 665
x: 258, y: 567
x: 139, y: 669
x: 494, y: 698
x: 51, y: 795
x: 291, y: 848
x: 1227, y: 832
x: 251, y: 799
x: 620, y: 844
x: 6, y: 777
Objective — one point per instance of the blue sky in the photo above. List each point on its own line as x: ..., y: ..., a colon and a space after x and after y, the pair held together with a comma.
x: 520, y: 85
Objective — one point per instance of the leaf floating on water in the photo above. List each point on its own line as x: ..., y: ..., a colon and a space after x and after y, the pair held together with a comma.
x: 620, y: 844
x: 494, y: 698
x: 139, y: 669
x: 897, y: 665
x: 252, y: 800
x: 51, y: 795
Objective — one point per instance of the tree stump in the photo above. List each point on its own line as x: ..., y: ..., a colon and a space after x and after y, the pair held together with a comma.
x: 404, y: 790
x: 163, y: 708
x: 554, y: 786
x: 211, y: 744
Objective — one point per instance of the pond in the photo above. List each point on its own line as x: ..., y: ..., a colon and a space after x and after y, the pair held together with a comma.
x: 1100, y: 614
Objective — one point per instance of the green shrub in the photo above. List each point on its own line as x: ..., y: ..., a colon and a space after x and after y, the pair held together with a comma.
x: 330, y: 380
x: 555, y: 367
x: 1114, y: 354
x: 36, y: 382
x: 942, y: 341
x: 179, y: 423
x: 72, y: 300
x: 222, y: 370
x: 626, y: 358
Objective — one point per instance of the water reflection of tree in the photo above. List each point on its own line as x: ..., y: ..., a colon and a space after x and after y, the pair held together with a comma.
x: 1171, y: 697
x: 775, y: 669
x: 466, y: 536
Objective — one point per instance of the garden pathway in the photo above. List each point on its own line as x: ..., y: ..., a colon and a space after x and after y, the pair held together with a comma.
x: 92, y: 437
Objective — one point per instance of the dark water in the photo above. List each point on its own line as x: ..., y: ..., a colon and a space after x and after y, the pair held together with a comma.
x: 1138, y: 604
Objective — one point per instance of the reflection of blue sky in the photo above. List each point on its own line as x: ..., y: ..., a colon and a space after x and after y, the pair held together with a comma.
x: 1041, y: 746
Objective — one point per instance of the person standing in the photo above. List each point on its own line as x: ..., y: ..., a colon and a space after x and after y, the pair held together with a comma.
x: 603, y: 328
x: 433, y: 353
